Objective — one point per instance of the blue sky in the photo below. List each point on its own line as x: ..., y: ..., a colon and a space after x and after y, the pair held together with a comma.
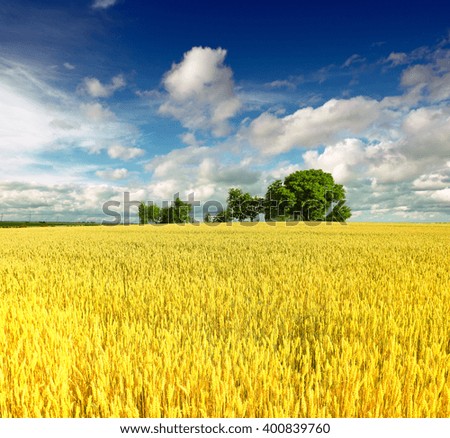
x: 102, y: 97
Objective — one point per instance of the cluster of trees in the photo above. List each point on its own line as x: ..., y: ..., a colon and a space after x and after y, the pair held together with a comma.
x: 177, y: 213
x: 240, y: 206
x: 306, y: 195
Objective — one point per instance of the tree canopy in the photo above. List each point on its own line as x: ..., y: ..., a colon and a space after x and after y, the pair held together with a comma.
x: 243, y: 206
x: 150, y: 213
x: 308, y: 195
x: 177, y: 213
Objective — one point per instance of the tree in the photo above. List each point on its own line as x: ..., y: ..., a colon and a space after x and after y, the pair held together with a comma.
x: 255, y: 206
x: 208, y: 218
x: 142, y: 211
x: 278, y: 201
x: 243, y: 205
x: 223, y: 216
x: 339, y: 213
x: 309, y: 195
x: 178, y: 213
x: 235, y: 203
x: 149, y: 213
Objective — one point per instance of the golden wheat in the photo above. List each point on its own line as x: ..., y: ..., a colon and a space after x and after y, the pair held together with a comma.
x: 225, y: 321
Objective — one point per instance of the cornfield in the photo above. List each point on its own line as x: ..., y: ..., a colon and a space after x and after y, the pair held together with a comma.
x: 225, y: 321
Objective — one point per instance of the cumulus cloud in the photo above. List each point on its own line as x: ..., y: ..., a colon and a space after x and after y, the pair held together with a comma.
x: 280, y: 171
x: 206, y: 171
x: 103, y: 4
x: 112, y: 174
x: 433, y: 181
x: 427, y: 133
x: 201, y: 91
x: 387, y: 165
x: 124, y: 153
x: 341, y: 160
x: 433, y: 85
x: 442, y: 195
x: 96, y: 112
x: 189, y: 139
x: 311, y: 127
x: 95, y: 88
x: 55, y: 201
x: 427, y: 81
x: 69, y: 66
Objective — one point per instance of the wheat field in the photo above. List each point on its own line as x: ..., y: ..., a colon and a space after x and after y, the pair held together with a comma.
x: 225, y: 321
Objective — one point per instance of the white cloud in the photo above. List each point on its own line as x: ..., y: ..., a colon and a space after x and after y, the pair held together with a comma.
x: 354, y: 59
x: 415, y: 75
x: 95, y: 88
x: 430, y: 82
x: 201, y: 91
x: 281, y: 84
x: 124, y: 153
x: 351, y: 160
x: 311, y: 127
x: 427, y: 133
x: 442, y: 195
x: 55, y: 201
x: 206, y: 171
x: 103, y: 4
x: 112, y: 174
x: 189, y: 139
x: 432, y: 181
x: 24, y: 121
x: 341, y: 160
x: 397, y: 58
x: 280, y: 172
x: 69, y: 66
x: 386, y: 164
x: 166, y: 166
x: 36, y: 118
x: 96, y: 112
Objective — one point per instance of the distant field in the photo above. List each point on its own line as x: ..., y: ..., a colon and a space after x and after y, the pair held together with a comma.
x: 225, y: 321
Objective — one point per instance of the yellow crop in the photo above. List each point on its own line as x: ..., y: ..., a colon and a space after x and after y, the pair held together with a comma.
x: 225, y: 321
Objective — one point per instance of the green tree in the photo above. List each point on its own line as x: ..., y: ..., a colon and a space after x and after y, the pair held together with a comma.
x: 278, y: 201
x: 254, y: 207
x: 339, y: 212
x: 223, y: 216
x: 153, y: 213
x: 235, y: 203
x: 149, y: 213
x: 309, y: 195
x: 243, y: 205
x: 177, y: 213
x: 142, y: 211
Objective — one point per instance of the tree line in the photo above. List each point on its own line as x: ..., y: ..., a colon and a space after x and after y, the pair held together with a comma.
x: 305, y: 195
